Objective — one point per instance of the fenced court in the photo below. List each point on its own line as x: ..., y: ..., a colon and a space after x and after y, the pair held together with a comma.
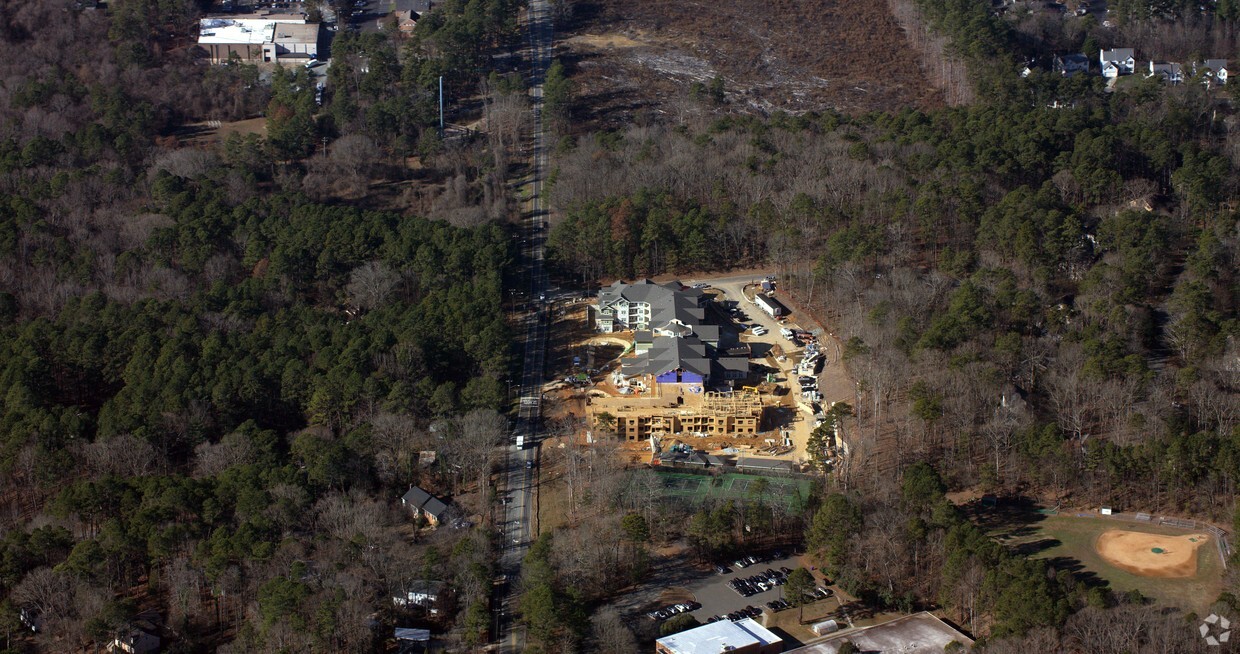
x: 792, y: 494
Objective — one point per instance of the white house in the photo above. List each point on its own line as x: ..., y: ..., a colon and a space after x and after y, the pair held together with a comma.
x: 1169, y: 71
x: 1214, y: 70
x: 1119, y: 61
x: 420, y: 593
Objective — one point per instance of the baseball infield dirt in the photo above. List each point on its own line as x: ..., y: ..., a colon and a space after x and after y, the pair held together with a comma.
x: 1151, y: 555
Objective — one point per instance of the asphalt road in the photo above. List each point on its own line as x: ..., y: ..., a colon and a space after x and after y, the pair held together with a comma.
x: 521, y: 462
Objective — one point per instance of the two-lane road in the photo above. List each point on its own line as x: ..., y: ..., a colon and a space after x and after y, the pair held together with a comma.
x: 520, y: 490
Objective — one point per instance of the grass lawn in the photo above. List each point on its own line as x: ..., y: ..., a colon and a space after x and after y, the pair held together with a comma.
x: 791, y: 493
x: 1068, y: 542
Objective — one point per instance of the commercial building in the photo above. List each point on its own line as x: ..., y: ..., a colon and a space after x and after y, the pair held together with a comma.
x: 920, y: 633
x: 741, y: 637
x: 269, y: 39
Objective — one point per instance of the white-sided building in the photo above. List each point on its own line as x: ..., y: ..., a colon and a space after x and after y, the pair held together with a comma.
x: 1214, y: 70
x: 740, y: 637
x: 1120, y: 61
x: 259, y: 40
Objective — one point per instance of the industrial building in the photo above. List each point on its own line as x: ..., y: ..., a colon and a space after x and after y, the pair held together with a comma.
x: 740, y: 637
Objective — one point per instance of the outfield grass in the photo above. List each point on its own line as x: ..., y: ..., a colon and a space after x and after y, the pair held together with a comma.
x: 792, y: 494
x: 1069, y: 542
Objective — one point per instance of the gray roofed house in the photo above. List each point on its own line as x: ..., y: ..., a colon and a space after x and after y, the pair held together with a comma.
x: 1169, y: 71
x: 1071, y: 64
x: 1116, y: 62
x: 1215, y: 70
x: 424, y: 504
x: 415, y: 497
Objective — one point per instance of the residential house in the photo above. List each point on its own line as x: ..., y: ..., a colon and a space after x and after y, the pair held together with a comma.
x: 1170, y: 72
x: 645, y: 305
x: 426, y: 505
x: 1119, y: 61
x: 1071, y: 64
x: 273, y: 39
x: 1213, y: 70
x: 421, y: 593
x: 409, y: 12
x: 135, y: 640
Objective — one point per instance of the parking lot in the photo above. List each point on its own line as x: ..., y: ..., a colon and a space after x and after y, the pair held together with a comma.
x: 715, y: 597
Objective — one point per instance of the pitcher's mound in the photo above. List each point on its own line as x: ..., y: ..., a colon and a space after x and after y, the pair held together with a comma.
x: 1151, y: 555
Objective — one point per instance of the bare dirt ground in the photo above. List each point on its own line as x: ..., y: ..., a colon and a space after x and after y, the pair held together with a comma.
x: 1151, y: 555
x: 792, y: 55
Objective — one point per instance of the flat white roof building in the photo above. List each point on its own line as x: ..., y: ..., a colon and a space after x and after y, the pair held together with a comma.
x: 920, y: 633
x: 266, y: 39
x: 741, y: 637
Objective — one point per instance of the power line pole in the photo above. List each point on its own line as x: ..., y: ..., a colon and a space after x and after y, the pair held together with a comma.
x: 441, y: 106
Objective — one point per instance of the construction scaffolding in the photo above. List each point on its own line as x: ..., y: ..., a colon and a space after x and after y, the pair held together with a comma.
x: 720, y: 414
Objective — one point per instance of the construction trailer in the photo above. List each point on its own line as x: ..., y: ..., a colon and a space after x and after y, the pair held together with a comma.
x: 770, y: 305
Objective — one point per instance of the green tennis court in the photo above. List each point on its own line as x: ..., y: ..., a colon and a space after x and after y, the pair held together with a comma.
x: 792, y: 494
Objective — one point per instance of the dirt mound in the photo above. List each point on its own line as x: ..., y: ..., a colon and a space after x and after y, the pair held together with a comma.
x: 1151, y: 555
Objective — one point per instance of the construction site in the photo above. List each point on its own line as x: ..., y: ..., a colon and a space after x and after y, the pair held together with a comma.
x: 698, y: 389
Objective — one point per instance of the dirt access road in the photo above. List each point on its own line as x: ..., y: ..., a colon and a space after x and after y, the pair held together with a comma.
x: 833, y: 381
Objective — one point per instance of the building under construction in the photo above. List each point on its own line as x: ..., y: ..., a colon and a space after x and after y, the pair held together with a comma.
x: 733, y: 413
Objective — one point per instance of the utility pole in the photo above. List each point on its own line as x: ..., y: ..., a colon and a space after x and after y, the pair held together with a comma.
x: 441, y: 106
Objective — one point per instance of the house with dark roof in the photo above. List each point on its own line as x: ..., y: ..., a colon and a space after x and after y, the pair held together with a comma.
x: 409, y: 12
x: 135, y: 640
x: 424, y: 504
x: 1071, y: 64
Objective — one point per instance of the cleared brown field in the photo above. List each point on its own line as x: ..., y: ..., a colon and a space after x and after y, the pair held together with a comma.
x: 794, y: 55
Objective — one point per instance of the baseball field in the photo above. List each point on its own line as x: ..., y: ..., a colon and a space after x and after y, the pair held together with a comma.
x: 1176, y: 567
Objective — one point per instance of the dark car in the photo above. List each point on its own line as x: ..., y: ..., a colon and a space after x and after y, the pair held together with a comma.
x: 721, y: 570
